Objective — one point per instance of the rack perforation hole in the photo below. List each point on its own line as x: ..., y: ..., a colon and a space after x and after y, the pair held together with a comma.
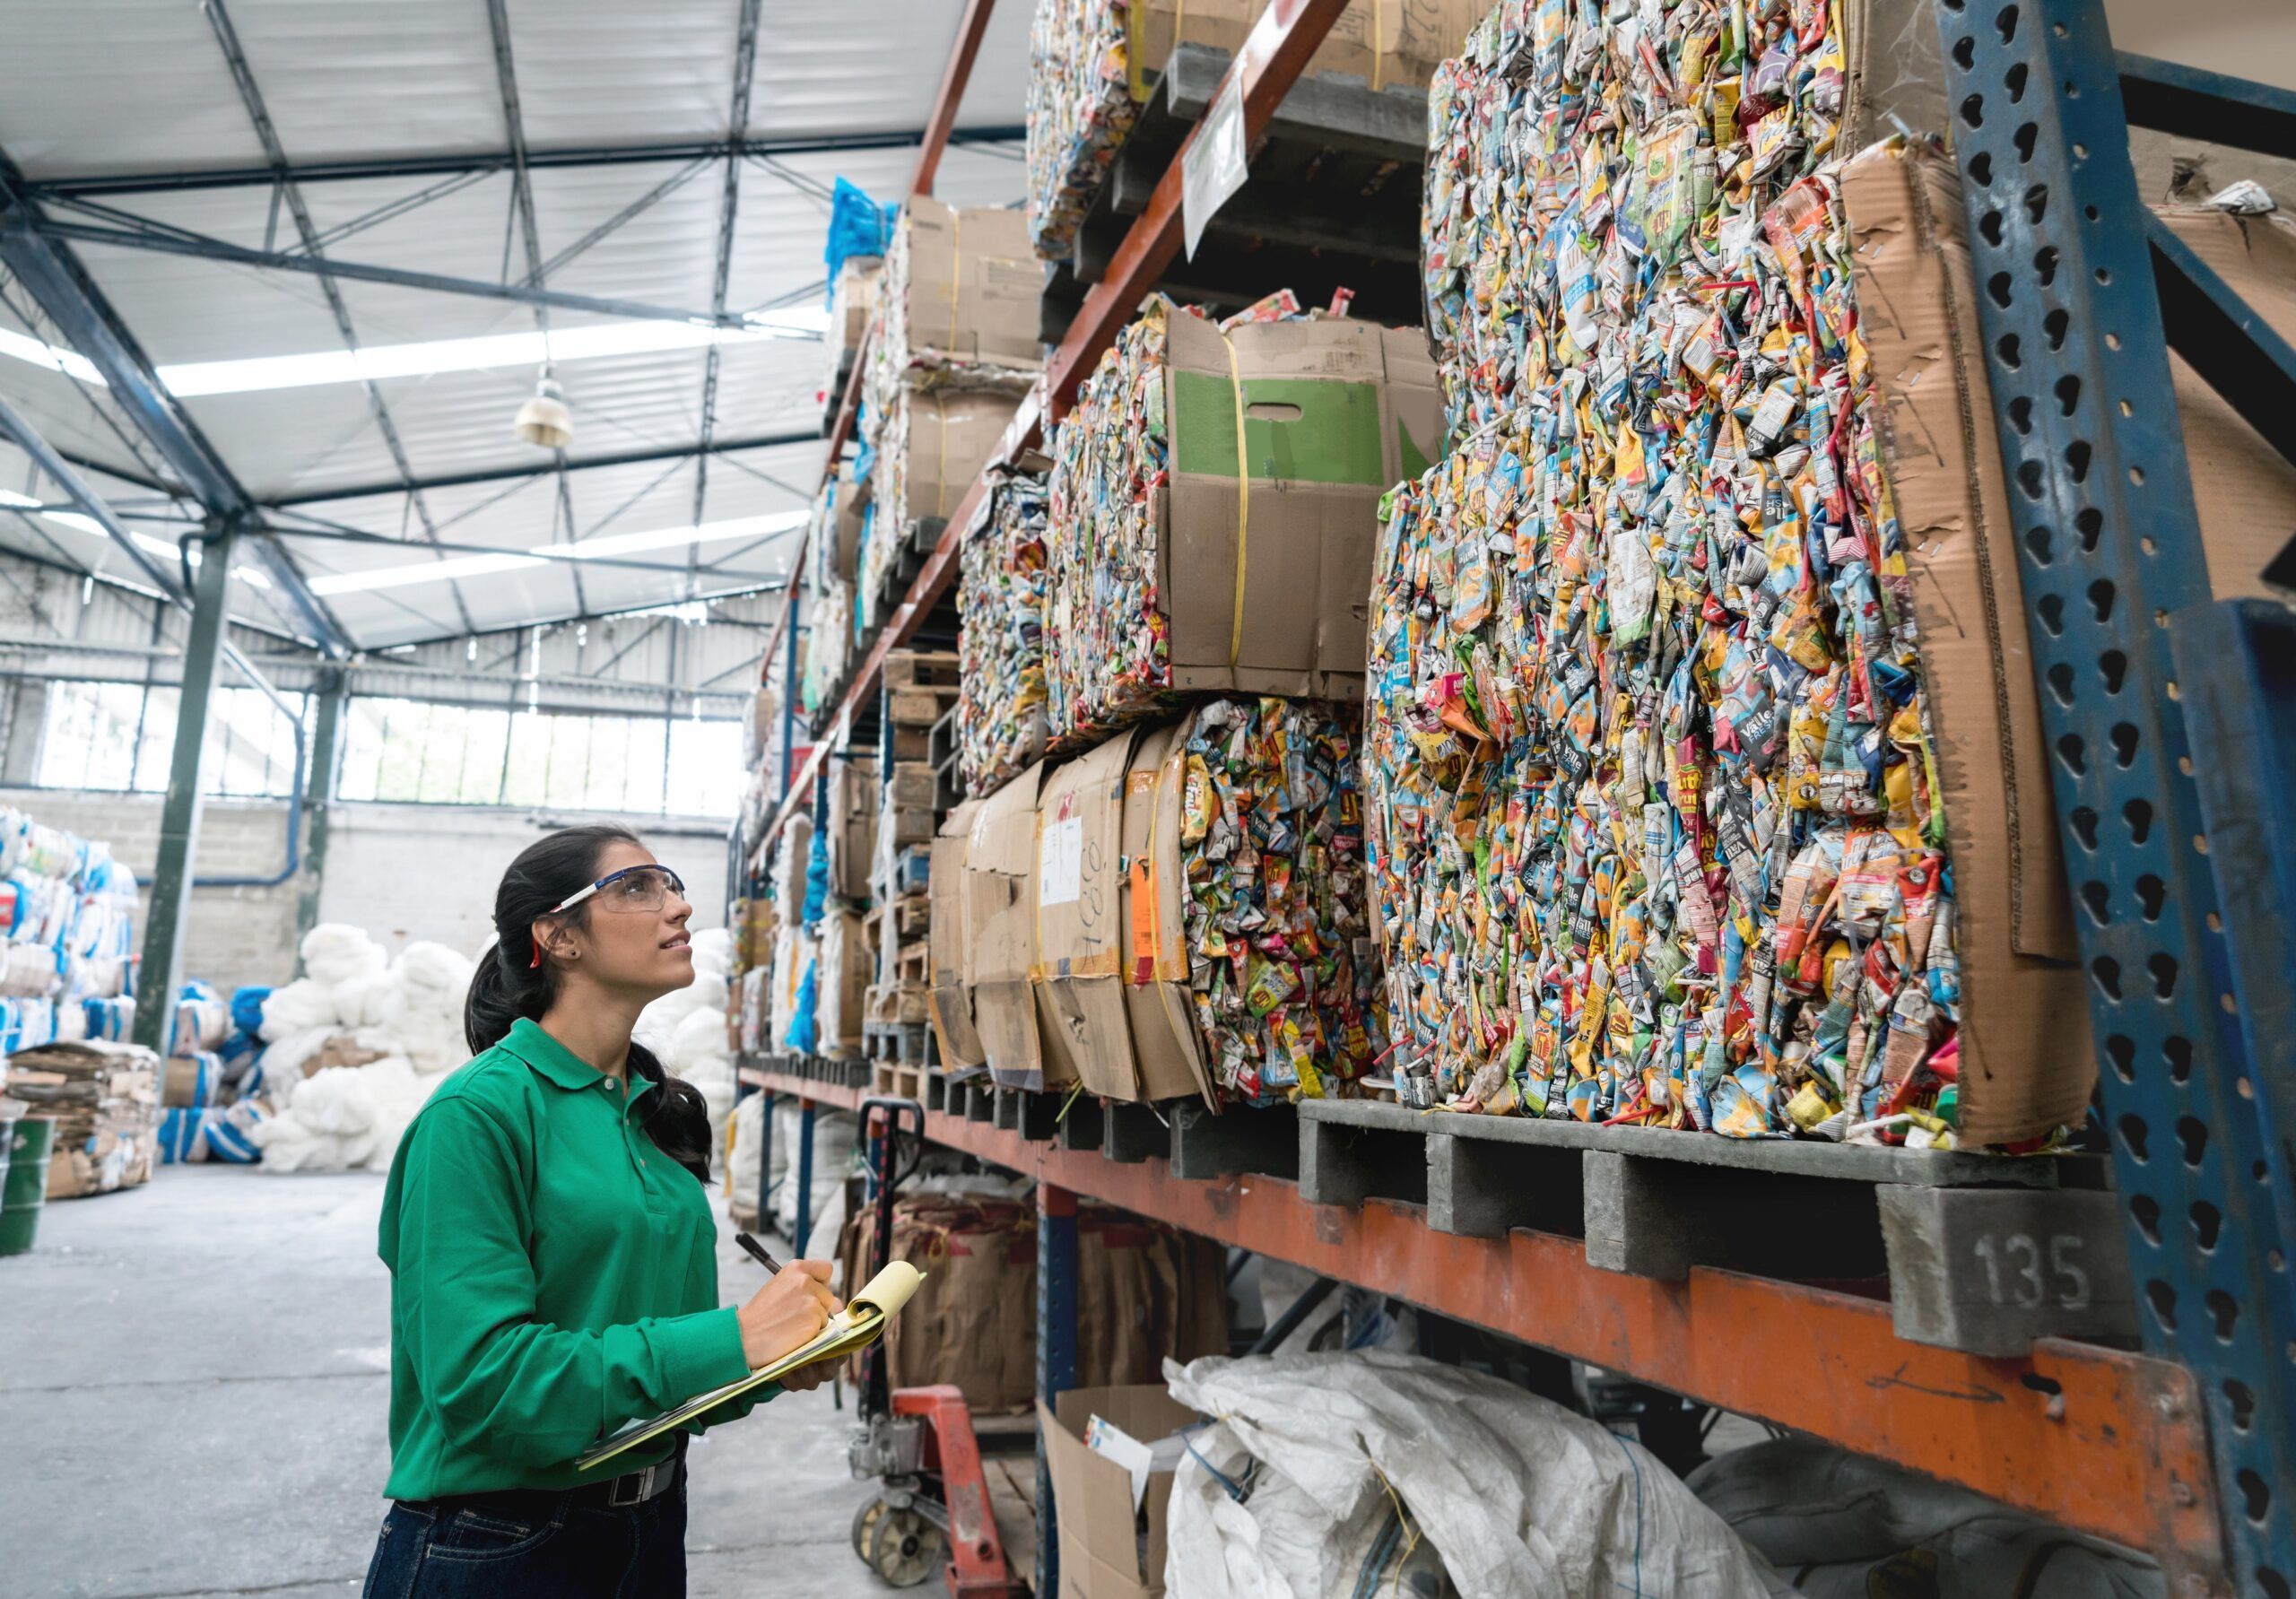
x: 2163, y: 1301
x: 1998, y: 286
x: 2223, y: 1312
x: 1990, y: 224
x: 2057, y: 322
x: 1965, y: 52
x: 2125, y: 740
x: 2152, y: 894
x: 2192, y: 1137
x: 2106, y: 970
x: 2084, y: 825
x: 2100, y: 599
x: 2138, y: 814
x: 2051, y: 606
x: 2163, y: 968
x: 2177, y: 1050
x: 2076, y: 459
x: 2070, y: 749
x: 2256, y: 1498
x: 2037, y: 204
x: 2005, y: 23
x: 2144, y: 1207
x: 2029, y: 478
x: 2099, y: 899
x: 2121, y: 1050
x: 2113, y: 667
x: 2089, y: 522
x: 2068, y: 392
x: 2021, y: 415
x: 2025, y: 139
x: 2207, y: 1223
x: 2060, y: 682
x: 2274, y: 1585
x: 2007, y: 348
x: 2243, y: 1401
x: 1973, y: 111
x: 1981, y: 170
x: 2015, y: 78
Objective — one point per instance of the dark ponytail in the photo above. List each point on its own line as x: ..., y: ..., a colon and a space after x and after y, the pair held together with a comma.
x: 509, y: 984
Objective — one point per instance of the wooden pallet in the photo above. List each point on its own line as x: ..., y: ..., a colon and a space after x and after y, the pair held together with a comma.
x: 921, y: 668
x: 1981, y: 1253
x: 895, y: 1004
x: 915, y: 964
x: 913, y: 915
x: 919, y: 706
x: 913, y: 783
x: 907, y: 1043
x: 897, y: 1081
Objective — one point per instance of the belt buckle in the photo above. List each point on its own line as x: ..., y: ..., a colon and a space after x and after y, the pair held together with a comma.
x: 641, y: 1489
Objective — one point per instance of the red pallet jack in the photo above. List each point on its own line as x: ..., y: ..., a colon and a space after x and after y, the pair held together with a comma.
x: 933, y: 1508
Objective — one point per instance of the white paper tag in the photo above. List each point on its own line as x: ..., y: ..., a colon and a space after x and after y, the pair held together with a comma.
x: 1214, y: 167
x: 1060, y: 863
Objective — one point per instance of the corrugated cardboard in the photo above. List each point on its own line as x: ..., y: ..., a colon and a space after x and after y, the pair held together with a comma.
x: 2027, y: 1060
x: 851, y: 303
x: 1079, y: 960
x: 850, y: 516
x: 951, y: 998
x: 1168, y: 1055
x: 1335, y: 412
x: 853, y: 795
x: 974, y: 283
x: 951, y: 434
x: 1100, y: 1553
x: 1384, y: 42
x: 1000, y: 927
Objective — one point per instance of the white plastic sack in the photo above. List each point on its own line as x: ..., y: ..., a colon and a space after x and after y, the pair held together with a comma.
x: 701, y: 1035
x: 298, y: 1007
x: 1520, y: 1498
x: 833, y: 1138
x: 741, y: 1164
x: 1842, y: 1525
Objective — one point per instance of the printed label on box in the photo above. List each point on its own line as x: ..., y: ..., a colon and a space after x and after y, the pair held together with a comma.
x: 1060, y: 862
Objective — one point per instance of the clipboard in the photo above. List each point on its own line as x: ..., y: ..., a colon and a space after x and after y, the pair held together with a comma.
x: 859, y: 1324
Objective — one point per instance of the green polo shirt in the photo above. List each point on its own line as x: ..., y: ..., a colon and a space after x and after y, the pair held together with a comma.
x: 553, y: 1276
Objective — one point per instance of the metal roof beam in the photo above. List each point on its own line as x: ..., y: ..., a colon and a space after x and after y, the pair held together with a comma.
x: 498, y: 474
x: 444, y: 164
x: 201, y: 248
x: 54, y: 277
x: 235, y: 57
x: 569, y: 619
x: 728, y: 204
x: 571, y: 558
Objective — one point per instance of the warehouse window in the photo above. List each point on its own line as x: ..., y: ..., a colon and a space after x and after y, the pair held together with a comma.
x: 408, y: 749
x: 121, y: 736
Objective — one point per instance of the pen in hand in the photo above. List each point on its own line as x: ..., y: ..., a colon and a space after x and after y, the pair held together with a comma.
x: 757, y: 1253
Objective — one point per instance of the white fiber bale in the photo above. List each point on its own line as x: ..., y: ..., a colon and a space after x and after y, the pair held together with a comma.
x: 713, y: 951
x: 701, y: 1035
x: 335, y: 953
x: 298, y: 1007
x: 358, y: 1001
x: 336, y: 1101
x: 709, y: 991
x: 435, y: 969
x: 282, y: 1061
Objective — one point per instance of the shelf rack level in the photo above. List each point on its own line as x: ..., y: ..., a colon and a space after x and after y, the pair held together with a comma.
x: 2082, y: 296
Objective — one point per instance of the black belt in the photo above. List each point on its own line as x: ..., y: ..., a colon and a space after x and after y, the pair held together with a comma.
x: 624, y: 1492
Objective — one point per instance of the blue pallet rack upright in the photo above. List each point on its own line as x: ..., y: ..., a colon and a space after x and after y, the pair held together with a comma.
x: 2148, y: 691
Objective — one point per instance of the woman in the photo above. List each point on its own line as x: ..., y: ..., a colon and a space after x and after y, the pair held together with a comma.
x: 553, y: 1271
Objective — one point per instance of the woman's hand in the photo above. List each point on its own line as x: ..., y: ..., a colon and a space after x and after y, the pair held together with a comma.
x: 787, y: 1312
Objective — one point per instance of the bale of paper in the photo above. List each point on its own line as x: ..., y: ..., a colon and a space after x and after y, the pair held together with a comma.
x: 1001, y: 724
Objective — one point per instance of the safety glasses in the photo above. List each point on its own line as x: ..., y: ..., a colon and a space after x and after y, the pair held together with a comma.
x: 633, y: 888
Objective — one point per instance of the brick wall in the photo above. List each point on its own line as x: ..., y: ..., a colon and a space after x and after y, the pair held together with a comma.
x: 401, y: 871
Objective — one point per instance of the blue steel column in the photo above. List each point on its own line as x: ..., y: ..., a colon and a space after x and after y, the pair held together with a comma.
x: 805, y: 1176
x: 160, y: 973
x: 765, y: 1160
x: 1055, y: 1354
x: 2108, y: 548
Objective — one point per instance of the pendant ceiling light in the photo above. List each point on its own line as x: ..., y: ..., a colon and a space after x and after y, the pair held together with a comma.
x: 544, y: 420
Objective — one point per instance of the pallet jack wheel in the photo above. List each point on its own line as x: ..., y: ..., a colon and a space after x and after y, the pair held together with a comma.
x: 904, y: 1548
x: 864, y: 1524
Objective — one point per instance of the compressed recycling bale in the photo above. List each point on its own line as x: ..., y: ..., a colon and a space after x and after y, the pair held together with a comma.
x: 1158, y: 551
x: 1000, y: 603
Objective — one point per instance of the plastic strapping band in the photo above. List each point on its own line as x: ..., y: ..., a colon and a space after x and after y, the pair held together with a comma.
x: 1243, y: 507
x: 956, y: 271
x: 1379, y: 45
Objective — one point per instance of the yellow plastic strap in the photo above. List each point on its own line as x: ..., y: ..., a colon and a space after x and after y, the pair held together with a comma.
x: 1243, y: 507
x: 956, y: 271
x: 1378, y: 44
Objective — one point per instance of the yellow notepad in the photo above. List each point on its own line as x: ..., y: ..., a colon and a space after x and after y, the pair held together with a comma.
x: 860, y: 1324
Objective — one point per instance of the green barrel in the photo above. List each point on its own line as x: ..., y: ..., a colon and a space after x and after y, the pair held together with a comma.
x: 25, y: 1189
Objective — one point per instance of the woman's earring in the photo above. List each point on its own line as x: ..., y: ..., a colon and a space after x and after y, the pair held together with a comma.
x: 535, y: 964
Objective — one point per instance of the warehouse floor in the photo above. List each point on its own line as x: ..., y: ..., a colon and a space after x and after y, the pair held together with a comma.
x: 194, y: 1397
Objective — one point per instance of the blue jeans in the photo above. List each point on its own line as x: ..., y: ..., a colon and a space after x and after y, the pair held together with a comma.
x: 502, y: 1545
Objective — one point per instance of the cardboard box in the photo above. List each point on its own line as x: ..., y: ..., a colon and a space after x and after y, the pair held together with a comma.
x: 841, y: 523
x: 2027, y: 1060
x: 1000, y: 933
x: 842, y: 992
x: 853, y: 796
x: 1167, y: 1051
x: 1101, y: 1553
x: 950, y: 993
x: 852, y: 301
x: 1386, y: 43
x: 974, y: 285
x: 949, y: 436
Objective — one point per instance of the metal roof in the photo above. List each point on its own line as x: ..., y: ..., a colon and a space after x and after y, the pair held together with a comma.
x: 413, y: 137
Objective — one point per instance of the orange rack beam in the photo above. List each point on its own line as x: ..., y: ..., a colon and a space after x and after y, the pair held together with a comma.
x: 2102, y: 1441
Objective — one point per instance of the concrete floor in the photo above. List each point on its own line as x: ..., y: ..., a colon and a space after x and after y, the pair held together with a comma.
x: 192, y: 1396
